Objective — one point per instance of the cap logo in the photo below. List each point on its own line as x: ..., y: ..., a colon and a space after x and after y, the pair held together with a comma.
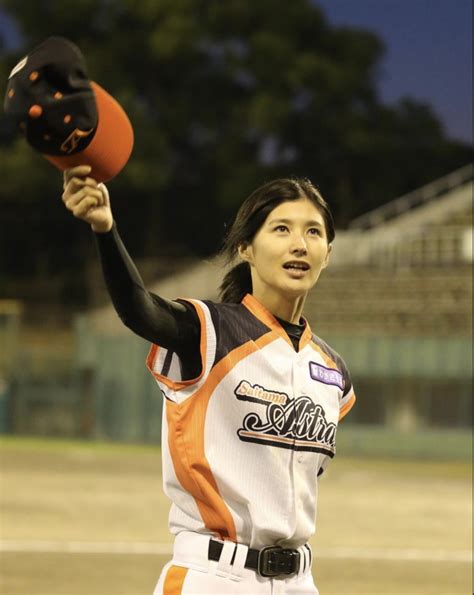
x: 21, y: 64
x: 73, y: 140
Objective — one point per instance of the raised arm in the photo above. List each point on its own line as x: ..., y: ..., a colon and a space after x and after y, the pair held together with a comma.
x: 158, y: 320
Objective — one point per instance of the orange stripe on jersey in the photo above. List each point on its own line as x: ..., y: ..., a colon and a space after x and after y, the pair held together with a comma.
x: 153, y: 354
x: 306, y: 336
x: 174, y: 580
x: 265, y: 316
x: 152, y: 357
x: 325, y: 356
x: 347, y: 407
x: 186, y: 423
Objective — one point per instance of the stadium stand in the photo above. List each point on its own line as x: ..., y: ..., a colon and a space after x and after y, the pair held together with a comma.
x: 396, y: 302
x: 402, y: 271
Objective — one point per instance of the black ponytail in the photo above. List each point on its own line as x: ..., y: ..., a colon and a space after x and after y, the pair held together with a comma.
x: 236, y: 284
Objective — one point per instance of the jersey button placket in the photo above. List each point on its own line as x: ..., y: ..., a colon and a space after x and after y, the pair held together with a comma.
x: 299, y: 382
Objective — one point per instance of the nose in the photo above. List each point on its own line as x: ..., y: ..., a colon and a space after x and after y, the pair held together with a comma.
x: 299, y: 245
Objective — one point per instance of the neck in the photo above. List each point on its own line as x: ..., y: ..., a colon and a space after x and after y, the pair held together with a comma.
x: 284, y: 307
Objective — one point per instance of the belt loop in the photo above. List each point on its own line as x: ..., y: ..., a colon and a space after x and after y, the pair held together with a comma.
x: 303, y: 560
x: 238, y: 565
x: 224, y: 566
x: 310, y: 553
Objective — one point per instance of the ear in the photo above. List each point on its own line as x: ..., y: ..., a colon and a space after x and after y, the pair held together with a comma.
x: 326, y: 260
x: 245, y: 252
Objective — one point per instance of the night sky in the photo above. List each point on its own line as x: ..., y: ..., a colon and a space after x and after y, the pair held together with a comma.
x: 428, y: 51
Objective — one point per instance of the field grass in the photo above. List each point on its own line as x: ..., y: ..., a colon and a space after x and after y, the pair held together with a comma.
x: 385, y: 526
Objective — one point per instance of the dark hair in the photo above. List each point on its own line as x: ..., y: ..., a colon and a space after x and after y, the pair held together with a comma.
x: 251, y: 216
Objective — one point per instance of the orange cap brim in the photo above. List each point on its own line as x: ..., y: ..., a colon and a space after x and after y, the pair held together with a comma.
x: 112, y: 145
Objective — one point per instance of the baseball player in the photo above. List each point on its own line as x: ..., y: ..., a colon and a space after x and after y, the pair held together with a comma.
x: 252, y: 396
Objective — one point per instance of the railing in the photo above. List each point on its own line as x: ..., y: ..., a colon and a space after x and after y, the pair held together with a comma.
x: 432, y: 246
x: 413, y: 199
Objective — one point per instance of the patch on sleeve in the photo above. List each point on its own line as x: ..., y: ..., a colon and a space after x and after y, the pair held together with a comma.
x: 326, y: 375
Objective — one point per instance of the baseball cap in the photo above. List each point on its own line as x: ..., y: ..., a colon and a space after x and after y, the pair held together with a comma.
x: 65, y: 116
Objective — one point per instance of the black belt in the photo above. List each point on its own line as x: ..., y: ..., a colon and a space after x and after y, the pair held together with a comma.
x: 269, y: 561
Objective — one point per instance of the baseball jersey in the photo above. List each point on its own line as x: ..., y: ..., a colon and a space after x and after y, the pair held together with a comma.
x: 244, y: 442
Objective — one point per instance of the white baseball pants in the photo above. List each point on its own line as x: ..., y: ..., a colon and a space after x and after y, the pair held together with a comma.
x: 190, y: 572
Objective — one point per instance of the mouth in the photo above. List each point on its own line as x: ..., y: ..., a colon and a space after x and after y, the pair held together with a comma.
x: 296, y: 265
x: 296, y: 269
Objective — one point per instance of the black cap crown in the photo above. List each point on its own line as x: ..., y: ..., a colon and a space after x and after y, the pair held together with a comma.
x: 50, y: 97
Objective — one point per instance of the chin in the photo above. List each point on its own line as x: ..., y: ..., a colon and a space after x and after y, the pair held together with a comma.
x: 294, y: 291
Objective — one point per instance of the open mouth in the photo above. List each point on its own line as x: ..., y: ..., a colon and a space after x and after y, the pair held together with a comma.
x: 296, y: 266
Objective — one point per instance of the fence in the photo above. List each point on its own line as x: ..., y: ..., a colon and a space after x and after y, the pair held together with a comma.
x: 405, y: 384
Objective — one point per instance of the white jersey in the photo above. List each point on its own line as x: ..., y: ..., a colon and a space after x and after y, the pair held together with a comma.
x: 244, y: 443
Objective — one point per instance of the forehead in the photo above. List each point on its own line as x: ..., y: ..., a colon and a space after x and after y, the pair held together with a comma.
x: 301, y: 209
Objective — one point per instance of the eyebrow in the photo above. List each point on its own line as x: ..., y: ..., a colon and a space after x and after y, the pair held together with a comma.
x: 288, y: 221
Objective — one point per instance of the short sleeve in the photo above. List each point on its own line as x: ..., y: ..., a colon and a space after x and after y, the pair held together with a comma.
x: 348, y: 398
x: 166, y: 367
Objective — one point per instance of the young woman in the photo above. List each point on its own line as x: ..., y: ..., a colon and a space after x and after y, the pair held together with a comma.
x: 252, y: 396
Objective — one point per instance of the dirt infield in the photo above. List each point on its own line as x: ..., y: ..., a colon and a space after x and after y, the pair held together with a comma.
x: 90, y: 519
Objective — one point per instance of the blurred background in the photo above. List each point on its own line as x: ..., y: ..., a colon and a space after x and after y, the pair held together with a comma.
x: 371, y: 100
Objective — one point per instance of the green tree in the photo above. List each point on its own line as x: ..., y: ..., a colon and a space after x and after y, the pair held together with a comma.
x: 222, y: 96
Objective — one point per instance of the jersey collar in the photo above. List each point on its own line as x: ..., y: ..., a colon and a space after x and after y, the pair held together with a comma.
x: 265, y: 316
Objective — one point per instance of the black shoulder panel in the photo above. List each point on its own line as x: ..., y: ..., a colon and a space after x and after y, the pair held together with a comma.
x: 234, y: 325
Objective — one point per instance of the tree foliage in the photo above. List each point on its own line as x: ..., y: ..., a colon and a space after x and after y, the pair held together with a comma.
x: 223, y: 96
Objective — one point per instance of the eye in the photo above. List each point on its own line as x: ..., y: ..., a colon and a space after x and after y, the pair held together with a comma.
x: 281, y: 228
x: 314, y: 231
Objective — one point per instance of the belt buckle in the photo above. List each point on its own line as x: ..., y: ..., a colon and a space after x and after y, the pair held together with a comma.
x: 275, y: 560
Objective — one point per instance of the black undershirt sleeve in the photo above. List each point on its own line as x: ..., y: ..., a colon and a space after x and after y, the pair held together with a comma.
x: 172, y: 325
